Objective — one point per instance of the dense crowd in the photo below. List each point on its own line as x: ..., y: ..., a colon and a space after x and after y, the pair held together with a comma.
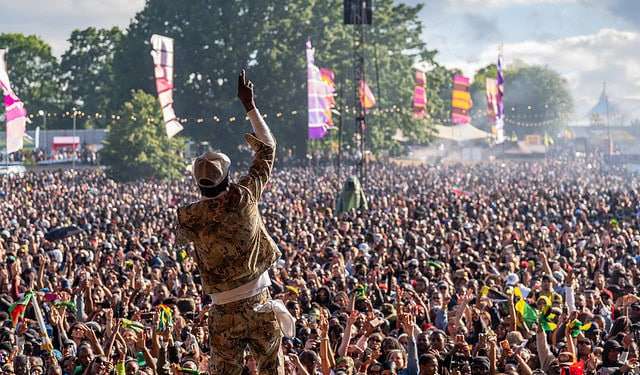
x: 513, y: 268
x: 62, y: 155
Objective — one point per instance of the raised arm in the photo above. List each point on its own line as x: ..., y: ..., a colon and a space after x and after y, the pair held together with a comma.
x: 260, y: 128
x: 261, y: 141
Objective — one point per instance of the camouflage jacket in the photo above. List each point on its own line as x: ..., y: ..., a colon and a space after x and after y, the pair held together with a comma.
x: 232, y: 246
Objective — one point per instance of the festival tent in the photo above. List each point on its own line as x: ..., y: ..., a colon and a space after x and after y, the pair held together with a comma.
x: 522, y: 148
x: 461, y: 133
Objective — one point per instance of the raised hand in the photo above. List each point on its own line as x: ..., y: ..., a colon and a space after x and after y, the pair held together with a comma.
x: 353, y: 317
x: 408, y: 321
x: 629, y: 366
x: 245, y: 91
x: 141, y: 343
x: 323, y: 325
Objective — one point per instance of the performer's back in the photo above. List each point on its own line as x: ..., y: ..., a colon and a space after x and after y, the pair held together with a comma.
x: 232, y: 246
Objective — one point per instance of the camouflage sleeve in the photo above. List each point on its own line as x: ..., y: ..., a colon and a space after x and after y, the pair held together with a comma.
x: 260, y: 170
x: 183, y: 231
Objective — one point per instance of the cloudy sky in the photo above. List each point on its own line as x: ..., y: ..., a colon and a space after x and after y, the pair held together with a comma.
x: 588, y: 41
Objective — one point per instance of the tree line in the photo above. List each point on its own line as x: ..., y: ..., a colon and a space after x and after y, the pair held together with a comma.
x: 103, y: 69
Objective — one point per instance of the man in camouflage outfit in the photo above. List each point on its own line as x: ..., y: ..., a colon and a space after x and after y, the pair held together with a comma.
x: 234, y: 251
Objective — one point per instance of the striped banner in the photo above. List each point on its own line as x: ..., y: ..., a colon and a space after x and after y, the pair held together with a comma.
x: 460, y: 100
x: 162, y: 53
x: 500, y: 104
x: 318, y: 97
x: 420, y: 95
x: 15, y: 113
x: 328, y: 78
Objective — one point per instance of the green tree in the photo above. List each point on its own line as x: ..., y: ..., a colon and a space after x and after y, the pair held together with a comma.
x: 34, y: 72
x: 215, y: 38
x: 137, y: 145
x: 86, y: 69
x: 537, y: 100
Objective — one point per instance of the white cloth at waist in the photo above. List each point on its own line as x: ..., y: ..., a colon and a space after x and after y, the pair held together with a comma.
x: 286, y: 321
x: 248, y: 290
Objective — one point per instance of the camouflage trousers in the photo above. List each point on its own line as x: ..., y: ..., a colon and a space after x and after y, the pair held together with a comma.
x: 235, y: 326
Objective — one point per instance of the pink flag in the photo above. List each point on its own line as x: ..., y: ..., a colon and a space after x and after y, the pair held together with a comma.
x: 162, y: 54
x: 461, y: 101
x: 15, y: 114
x: 420, y: 95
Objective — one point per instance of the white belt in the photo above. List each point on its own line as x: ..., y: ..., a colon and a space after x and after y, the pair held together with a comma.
x: 286, y: 321
x: 248, y: 290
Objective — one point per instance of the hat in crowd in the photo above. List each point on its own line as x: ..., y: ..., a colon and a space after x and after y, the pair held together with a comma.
x: 481, y: 362
x: 512, y: 279
x: 156, y: 262
x: 613, y: 345
x: 558, y: 276
x: 56, y: 255
x: 210, y: 168
x: 515, y: 339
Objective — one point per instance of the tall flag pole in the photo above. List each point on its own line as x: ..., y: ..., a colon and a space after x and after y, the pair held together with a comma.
x: 460, y: 100
x: 318, y: 93
x: 162, y: 53
x: 500, y: 102
x: 15, y: 113
x: 420, y: 95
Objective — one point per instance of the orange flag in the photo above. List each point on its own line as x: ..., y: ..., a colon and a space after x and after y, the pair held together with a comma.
x: 367, y: 99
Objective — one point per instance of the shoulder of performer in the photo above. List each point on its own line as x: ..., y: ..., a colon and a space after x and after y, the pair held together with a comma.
x: 191, y: 215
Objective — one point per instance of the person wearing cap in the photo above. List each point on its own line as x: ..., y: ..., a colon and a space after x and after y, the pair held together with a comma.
x: 611, y: 363
x: 234, y: 251
x: 480, y: 365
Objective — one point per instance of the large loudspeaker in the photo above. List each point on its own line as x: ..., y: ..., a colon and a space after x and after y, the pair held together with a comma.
x: 358, y: 12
